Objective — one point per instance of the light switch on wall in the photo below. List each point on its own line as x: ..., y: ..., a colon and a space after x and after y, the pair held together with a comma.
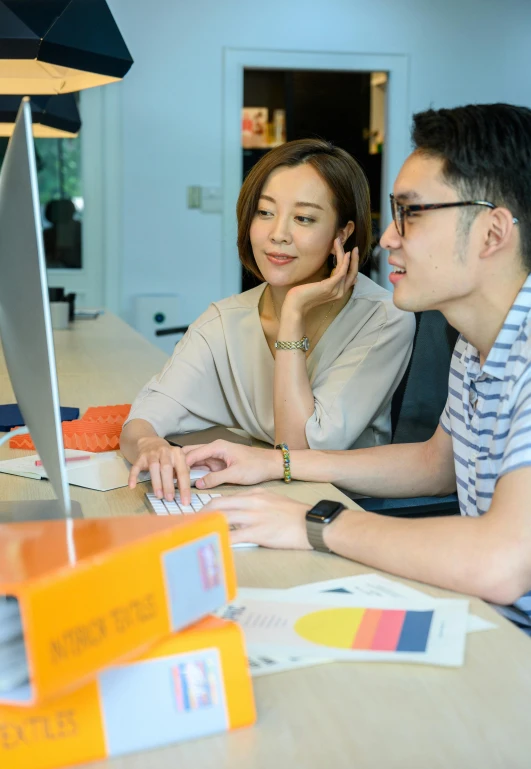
x: 194, y: 197
x: 207, y: 199
x: 211, y: 200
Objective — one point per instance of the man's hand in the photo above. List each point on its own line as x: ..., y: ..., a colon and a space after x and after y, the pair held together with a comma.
x: 265, y: 519
x: 234, y: 463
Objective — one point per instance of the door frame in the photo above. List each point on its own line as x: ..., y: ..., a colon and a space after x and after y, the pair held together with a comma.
x: 235, y: 60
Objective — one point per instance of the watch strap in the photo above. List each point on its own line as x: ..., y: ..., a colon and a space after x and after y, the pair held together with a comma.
x: 302, y: 344
x: 315, y: 530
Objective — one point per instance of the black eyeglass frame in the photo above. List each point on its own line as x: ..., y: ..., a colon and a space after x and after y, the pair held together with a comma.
x: 398, y: 210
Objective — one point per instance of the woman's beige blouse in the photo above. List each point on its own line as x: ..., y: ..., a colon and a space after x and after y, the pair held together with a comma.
x: 221, y: 372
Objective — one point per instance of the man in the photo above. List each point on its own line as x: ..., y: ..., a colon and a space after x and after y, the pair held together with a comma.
x: 460, y: 242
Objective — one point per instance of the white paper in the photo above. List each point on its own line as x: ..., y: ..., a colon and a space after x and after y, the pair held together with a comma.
x: 266, y: 664
x: 363, y: 585
x: 269, y: 619
x: 104, y: 470
x: 377, y: 586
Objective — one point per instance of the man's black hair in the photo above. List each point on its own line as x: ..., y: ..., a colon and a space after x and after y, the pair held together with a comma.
x: 486, y: 154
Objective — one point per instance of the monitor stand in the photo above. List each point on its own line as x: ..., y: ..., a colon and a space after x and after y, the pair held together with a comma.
x: 36, y: 510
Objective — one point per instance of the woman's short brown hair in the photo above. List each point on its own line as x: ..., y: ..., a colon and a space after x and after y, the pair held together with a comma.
x: 336, y: 167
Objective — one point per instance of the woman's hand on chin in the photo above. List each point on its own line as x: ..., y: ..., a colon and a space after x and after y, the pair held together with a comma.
x: 301, y: 299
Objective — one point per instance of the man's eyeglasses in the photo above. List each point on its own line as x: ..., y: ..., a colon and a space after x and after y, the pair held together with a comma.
x: 400, y: 212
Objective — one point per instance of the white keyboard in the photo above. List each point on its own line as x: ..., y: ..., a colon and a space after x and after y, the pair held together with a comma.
x: 176, y: 507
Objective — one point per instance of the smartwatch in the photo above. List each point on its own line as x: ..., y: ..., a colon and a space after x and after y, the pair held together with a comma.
x: 317, y: 518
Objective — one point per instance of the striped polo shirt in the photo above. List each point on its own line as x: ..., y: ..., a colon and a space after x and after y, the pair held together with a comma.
x: 488, y: 411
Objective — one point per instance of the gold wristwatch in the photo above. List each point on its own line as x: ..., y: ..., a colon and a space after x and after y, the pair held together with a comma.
x: 302, y: 344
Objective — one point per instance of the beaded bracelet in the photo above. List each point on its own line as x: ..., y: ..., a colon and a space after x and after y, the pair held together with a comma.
x: 285, y: 455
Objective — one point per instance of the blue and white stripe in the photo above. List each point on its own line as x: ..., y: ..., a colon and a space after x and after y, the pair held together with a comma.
x: 488, y: 411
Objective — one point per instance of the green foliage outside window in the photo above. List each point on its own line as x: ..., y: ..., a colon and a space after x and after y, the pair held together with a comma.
x: 59, y: 179
x: 59, y: 168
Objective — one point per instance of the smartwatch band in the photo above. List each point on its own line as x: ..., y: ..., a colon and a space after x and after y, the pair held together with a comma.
x: 316, y: 521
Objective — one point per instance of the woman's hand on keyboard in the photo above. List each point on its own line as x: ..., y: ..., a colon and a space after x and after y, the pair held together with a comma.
x: 234, y: 463
x: 165, y: 463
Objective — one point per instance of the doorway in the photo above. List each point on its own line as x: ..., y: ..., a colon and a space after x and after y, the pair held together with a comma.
x: 346, y: 108
x: 237, y: 62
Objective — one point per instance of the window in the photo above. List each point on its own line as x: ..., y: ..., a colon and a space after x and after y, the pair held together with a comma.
x: 59, y: 172
x: 61, y: 198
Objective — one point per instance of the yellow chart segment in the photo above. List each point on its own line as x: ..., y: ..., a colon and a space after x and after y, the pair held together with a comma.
x: 331, y: 627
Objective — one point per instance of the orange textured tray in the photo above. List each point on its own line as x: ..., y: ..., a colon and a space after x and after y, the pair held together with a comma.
x: 113, y: 414
x: 98, y: 430
x: 80, y: 434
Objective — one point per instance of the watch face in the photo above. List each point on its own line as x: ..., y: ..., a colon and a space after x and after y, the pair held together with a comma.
x: 305, y: 343
x: 324, y: 511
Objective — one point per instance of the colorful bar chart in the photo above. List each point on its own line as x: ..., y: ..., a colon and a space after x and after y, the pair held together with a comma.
x: 368, y: 629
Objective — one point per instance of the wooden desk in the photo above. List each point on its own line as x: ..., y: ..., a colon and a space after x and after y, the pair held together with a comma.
x: 351, y: 715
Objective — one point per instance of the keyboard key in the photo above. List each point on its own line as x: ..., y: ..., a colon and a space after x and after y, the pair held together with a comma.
x: 175, y: 507
x: 157, y: 505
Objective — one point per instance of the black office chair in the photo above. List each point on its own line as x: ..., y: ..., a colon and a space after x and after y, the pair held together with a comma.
x: 416, y: 407
x: 421, y: 395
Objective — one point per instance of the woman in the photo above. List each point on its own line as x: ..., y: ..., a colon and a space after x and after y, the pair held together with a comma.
x: 312, y: 356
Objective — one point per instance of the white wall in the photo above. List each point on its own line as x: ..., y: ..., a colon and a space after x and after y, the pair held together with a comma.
x: 172, y: 103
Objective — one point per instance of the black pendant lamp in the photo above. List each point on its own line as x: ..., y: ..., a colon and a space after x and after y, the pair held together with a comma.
x: 59, y: 46
x: 53, y: 117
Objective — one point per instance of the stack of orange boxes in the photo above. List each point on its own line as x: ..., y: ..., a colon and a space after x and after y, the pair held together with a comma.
x: 97, y: 635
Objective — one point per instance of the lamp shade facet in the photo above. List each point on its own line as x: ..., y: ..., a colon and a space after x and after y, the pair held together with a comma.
x: 52, y: 116
x: 59, y: 46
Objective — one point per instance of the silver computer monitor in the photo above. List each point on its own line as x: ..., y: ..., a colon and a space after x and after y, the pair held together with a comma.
x: 25, y: 323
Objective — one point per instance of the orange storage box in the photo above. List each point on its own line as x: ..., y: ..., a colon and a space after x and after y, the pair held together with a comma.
x: 192, y: 684
x: 91, y: 593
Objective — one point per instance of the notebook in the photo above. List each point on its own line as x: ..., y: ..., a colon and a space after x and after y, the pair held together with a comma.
x: 103, y: 471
